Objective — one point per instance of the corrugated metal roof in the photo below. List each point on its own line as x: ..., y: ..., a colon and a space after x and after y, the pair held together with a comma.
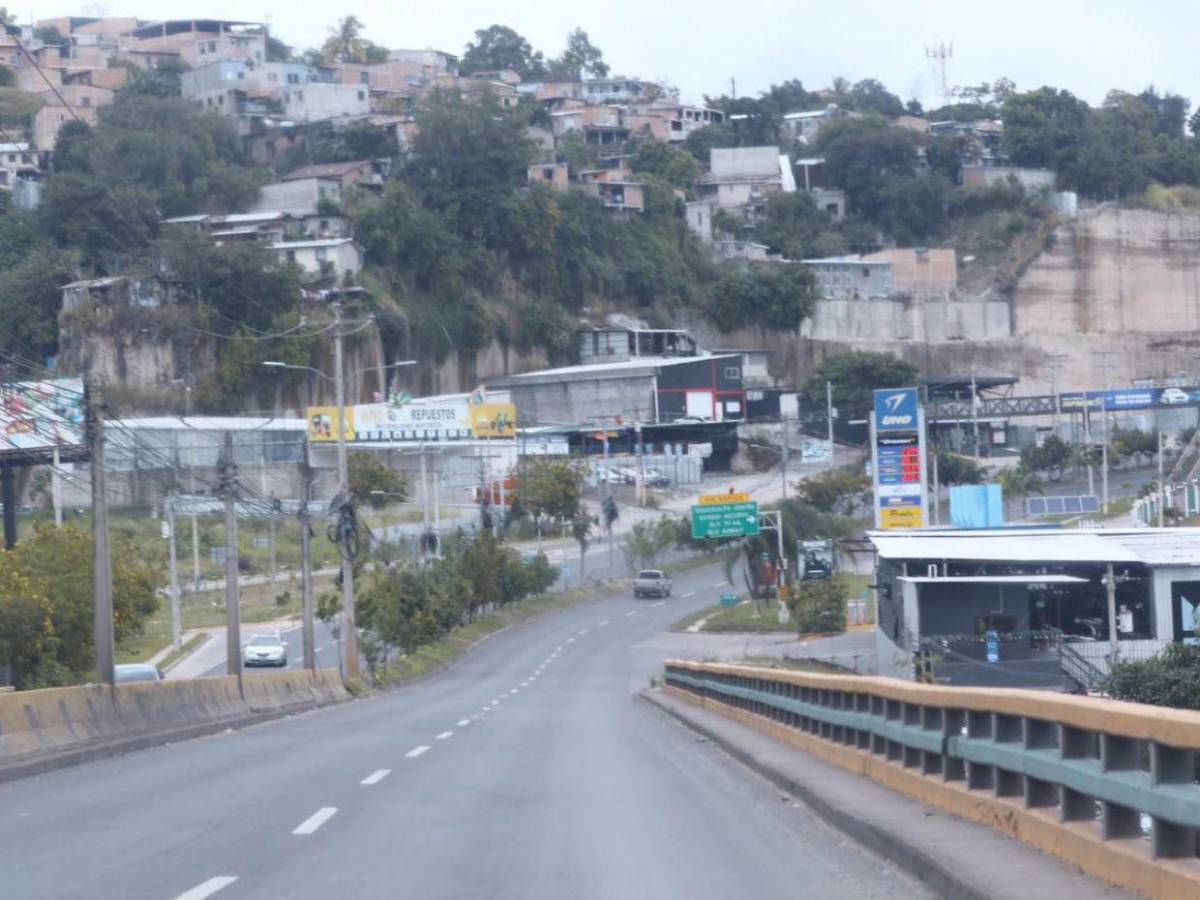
x: 994, y: 579
x: 1157, y: 547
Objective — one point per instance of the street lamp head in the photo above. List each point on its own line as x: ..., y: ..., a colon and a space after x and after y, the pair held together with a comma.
x: 275, y: 364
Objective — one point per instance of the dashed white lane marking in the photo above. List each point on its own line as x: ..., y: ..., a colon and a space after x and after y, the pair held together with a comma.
x: 316, y: 820
x: 605, y: 622
x: 585, y: 631
x: 570, y: 640
x: 557, y: 649
x: 688, y: 594
x: 720, y: 584
x: 208, y: 888
x: 444, y: 735
x: 377, y: 776
x: 463, y: 723
x: 416, y: 751
x: 659, y: 603
x: 632, y: 612
x: 515, y: 691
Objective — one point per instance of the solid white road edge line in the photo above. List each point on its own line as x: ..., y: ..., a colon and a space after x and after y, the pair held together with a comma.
x: 377, y: 776
x: 416, y: 751
x: 315, y: 821
x: 208, y: 888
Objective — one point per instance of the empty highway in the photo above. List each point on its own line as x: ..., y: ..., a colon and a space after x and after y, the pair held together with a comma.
x: 528, y: 770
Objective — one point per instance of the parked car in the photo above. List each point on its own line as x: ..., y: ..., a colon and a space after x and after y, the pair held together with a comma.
x: 628, y: 474
x: 126, y: 673
x: 266, y: 649
x: 655, y: 478
x: 652, y: 583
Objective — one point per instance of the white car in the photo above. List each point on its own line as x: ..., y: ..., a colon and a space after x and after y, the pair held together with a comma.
x: 1173, y: 396
x: 266, y: 649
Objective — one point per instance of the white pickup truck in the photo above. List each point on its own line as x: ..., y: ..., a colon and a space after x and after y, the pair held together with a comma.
x: 652, y: 583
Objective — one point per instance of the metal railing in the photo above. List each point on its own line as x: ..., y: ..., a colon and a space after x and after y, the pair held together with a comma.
x: 1101, y: 769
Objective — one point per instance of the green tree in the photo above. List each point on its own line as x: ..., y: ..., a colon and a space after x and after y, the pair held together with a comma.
x: 793, y: 226
x: 646, y: 541
x: 870, y: 96
x: 701, y: 142
x: 855, y: 374
x: 776, y: 297
x: 32, y: 291
x: 373, y: 481
x: 819, y: 606
x: 1044, y: 128
x: 346, y: 44
x: 46, y: 616
x: 676, y: 167
x: 579, y: 59
x: 956, y: 469
x: 161, y: 81
x: 550, y: 486
x: 1172, y: 678
x: 840, y: 491
x: 1051, y: 459
x: 500, y: 47
x: 97, y: 216
x: 1017, y: 483
x: 358, y: 140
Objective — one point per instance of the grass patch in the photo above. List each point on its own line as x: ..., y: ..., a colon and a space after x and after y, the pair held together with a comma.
x: 796, y: 665
x: 747, y: 617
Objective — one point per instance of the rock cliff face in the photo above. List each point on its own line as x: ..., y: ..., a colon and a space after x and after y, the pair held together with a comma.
x: 1116, y: 297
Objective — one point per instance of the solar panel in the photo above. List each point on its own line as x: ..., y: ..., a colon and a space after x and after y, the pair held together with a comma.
x: 1072, y: 504
x: 1037, y: 506
x: 1054, y: 506
x: 1091, y: 503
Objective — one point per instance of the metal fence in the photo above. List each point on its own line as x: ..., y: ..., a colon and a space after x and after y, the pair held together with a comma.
x: 1110, y: 786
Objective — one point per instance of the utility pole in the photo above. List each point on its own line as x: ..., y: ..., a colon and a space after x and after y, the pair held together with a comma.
x: 829, y: 416
x: 641, y: 453
x: 1087, y: 439
x: 102, y: 599
x: 975, y: 414
x: 1162, y: 488
x: 56, y: 489
x: 1104, y: 475
x: 1111, y: 584
x: 783, y: 459
x: 306, y: 585
x: 233, y: 625
x: 262, y: 476
x: 173, y: 573
x: 349, y: 635
x: 937, y: 492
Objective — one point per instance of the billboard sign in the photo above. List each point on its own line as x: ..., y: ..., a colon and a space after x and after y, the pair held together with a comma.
x: 40, y: 415
x: 434, y: 419
x: 1129, y: 398
x: 898, y: 459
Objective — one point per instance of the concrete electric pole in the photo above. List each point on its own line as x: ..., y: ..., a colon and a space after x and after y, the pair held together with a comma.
x: 349, y: 635
x: 233, y: 624
x: 173, y: 573
x: 102, y: 599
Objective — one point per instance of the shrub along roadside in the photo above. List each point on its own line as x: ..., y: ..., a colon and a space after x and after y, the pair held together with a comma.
x: 1172, y: 678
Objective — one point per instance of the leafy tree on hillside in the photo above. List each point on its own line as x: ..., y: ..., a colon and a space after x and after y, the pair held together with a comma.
x: 161, y: 81
x: 775, y: 297
x: 870, y: 96
x: 580, y: 59
x: 676, y: 167
x: 794, y: 226
x: 855, y: 374
x: 500, y: 47
x: 347, y: 45
x: 1051, y: 459
x: 1044, y: 128
x: 550, y: 487
x: 99, y: 216
x: 32, y: 292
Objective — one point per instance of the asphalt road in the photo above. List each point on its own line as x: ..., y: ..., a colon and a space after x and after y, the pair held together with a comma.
x: 526, y: 771
x: 323, y: 643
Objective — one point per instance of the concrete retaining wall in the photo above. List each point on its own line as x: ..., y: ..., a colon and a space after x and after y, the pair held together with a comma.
x: 43, y: 729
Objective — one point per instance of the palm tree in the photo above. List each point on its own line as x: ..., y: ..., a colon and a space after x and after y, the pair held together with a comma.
x: 344, y: 43
x: 1016, y: 483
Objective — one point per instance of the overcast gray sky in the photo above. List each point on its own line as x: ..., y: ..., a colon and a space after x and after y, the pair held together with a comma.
x: 1086, y: 46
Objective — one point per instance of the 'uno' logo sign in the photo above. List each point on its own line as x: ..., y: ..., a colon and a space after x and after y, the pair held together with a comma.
x: 896, y: 410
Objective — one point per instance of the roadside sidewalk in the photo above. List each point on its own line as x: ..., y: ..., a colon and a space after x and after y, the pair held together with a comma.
x: 954, y: 857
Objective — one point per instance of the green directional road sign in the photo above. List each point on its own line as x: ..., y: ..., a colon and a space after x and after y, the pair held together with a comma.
x: 725, y: 520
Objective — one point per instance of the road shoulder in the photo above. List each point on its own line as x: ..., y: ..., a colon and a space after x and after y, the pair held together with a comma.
x: 952, y: 856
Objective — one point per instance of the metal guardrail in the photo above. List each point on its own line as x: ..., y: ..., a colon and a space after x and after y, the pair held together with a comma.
x: 1127, y: 770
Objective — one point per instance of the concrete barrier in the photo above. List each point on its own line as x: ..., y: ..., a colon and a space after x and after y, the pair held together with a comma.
x: 1108, y: 786
x: 46, y: 729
